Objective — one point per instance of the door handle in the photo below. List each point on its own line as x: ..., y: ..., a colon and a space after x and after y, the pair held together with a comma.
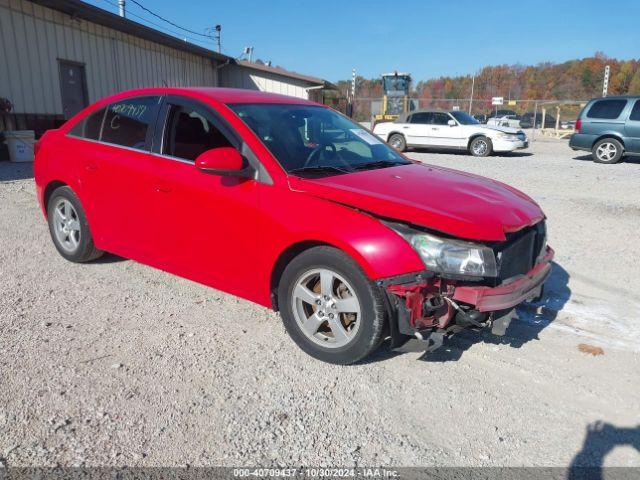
x: 91, y: 167
x: 162, y: 189
x: 434, y: 128
x: 405, y: 127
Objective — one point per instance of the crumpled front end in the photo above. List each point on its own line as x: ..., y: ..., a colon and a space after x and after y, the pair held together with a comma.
x: 425, y: 308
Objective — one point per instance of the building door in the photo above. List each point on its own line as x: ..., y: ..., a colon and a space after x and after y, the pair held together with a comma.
x: 73, y: 88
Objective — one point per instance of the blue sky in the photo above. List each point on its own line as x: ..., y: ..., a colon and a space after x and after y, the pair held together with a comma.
x: 427, y: 38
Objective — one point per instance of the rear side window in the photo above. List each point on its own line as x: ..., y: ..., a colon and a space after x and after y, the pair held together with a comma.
x: 128, y: 122
x: 635, y: 113
x: 190, y: 132
x: 424, y: 117
x: 90, y: 126
x: 606, y: 109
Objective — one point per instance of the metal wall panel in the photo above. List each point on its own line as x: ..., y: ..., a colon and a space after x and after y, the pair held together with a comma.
x: 33, y: 38
x: 244, y: 77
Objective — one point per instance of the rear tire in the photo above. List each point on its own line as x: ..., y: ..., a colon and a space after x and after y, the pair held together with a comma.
x: 398, y: 142
x: 69, y: 227
x: 481, y: 147
x: 325, y: 282
x: 607, y: 150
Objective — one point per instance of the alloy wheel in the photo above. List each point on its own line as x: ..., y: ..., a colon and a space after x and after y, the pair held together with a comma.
x: 326, y: 308
x: 606, y: 151
x: 480, y: 147
x: 396, y: 142
x: 66, y: 225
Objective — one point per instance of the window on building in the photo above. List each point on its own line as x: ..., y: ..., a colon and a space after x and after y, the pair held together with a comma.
x: 607, y: 109
x: 635, y: 113
x: 190, y: 133
x: 128, y: 122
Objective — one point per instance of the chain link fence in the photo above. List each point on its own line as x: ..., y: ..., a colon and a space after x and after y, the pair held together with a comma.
x: 551, y: 116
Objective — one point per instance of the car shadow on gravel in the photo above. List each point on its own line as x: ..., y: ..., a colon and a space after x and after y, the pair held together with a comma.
x: 633, y: 159
x: 532, y: 318
x: 15, y: 171
x: 464, y: 153
x: 600, y: 440
x: 109, y: 258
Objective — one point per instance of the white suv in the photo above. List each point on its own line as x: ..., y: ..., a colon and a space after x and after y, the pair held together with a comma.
x: 444, y: 129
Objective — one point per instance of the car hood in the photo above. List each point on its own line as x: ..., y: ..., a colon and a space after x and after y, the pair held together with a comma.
x: 456, y: 203
x: 498, y: 128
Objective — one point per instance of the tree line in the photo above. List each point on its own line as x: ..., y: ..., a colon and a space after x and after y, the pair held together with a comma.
x: 572, y: 80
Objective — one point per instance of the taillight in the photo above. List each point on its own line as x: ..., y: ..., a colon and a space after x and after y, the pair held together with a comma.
x: 578, y: 125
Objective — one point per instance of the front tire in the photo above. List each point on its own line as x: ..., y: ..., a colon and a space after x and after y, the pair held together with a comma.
x: 69, y: 227
x: 481, y: 147
x: 329, y: 306
x: 398, y: 142
x: 607, y: 150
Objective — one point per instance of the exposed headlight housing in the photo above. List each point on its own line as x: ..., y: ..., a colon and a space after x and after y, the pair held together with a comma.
x: 447, y: 256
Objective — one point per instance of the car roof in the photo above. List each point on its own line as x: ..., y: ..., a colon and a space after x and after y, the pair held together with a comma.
x: 404, y: 116
x: 222, y: 95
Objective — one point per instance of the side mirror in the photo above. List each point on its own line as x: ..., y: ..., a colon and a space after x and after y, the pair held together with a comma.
x: 222, y: 161
x: 452, y: 123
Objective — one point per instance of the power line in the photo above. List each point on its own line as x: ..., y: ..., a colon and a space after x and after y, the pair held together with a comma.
x: 161, y: 27
x: 168, y: 21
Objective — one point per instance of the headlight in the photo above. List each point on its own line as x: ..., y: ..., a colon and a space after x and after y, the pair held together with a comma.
x: 446, y: 256
x: 507, y: 136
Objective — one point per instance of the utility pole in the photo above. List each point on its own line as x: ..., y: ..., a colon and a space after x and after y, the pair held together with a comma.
x: 473, y: 83
x: 353, y: 84
x: 605, y: 82
x: 216, y: 36
x: 121, y: 8
x: 351, y: 95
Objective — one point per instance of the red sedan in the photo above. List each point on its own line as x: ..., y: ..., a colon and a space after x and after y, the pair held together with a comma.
x: 291, y: 205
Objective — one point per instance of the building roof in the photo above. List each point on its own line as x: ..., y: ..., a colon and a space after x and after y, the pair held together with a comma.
x: 221, y: 95
x: 287, y: 73
x: 79, y: 9
x: 241, y: 95
x: 85, y: 11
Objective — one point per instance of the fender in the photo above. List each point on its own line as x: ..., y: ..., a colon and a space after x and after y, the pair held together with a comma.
x: 377, y: 249
x: 610, y: 134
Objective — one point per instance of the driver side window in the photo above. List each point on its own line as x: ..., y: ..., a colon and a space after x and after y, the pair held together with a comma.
x: 190, y: 132
x: 440, y: 118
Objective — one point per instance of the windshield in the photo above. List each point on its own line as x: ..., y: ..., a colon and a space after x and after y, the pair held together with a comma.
x: 464, y: 118
x: 395, y: 84
x: 310, y: 140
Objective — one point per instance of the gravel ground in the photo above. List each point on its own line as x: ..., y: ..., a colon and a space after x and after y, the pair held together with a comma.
x: 114, y: 363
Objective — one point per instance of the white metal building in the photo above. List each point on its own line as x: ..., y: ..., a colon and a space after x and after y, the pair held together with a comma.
x: 57, y: 56
x: 258, y: 76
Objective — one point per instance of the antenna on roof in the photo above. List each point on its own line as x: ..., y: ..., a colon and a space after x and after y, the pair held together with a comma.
x: 248, y: 51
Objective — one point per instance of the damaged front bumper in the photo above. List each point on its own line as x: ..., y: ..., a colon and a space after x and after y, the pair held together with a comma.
x: 428, y: 308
